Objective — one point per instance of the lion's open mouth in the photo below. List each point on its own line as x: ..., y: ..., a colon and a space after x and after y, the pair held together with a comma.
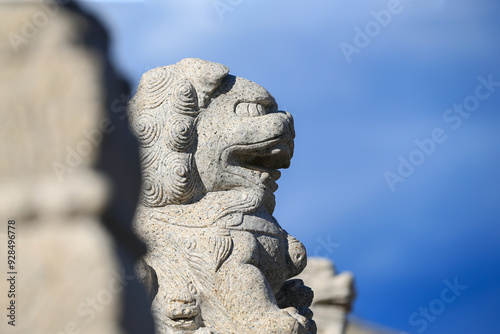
x: 183, y: 314
x: 184, y: 322
x: 259, y: 162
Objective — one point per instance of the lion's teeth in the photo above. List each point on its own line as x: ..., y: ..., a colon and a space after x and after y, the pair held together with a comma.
x: 276, y: 151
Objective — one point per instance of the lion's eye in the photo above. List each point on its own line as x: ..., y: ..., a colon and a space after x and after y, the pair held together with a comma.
x: 250, y: 109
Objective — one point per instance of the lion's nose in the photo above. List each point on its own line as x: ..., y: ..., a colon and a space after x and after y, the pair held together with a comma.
x: 289, y: 121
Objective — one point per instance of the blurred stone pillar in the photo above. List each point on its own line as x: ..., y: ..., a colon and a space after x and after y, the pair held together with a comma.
x: 333, y: 294
x: 69, y: 177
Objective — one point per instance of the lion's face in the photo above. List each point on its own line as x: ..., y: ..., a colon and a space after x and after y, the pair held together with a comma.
x: 201, y: 130
x: 242, y: 138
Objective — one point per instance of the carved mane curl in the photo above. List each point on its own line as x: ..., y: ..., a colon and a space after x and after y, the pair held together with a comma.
x: 162, y: 116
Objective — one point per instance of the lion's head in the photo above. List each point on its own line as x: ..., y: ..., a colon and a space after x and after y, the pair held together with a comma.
x: 201, y: 130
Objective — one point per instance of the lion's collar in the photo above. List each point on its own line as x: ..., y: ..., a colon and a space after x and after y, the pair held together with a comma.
x: 234, y: 209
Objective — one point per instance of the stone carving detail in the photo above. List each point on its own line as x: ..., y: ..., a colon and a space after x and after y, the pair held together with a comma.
x: 211, y: 146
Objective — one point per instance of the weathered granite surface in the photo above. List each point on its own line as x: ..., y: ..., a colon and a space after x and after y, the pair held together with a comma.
x: 211, y: 146
x: 69, y: 176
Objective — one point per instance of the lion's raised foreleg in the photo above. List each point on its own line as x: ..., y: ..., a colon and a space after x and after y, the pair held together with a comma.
x: 248, y: 297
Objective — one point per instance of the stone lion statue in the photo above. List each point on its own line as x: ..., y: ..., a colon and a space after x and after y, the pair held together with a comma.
x: 218, y: 261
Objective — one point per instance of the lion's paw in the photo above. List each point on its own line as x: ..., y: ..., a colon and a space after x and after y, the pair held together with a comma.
x: 300, y: 324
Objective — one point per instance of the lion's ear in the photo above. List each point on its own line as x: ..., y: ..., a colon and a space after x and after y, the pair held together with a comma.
x: 205, y: 76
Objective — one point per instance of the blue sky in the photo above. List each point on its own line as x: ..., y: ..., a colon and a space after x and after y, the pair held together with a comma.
x: 356, y: 114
